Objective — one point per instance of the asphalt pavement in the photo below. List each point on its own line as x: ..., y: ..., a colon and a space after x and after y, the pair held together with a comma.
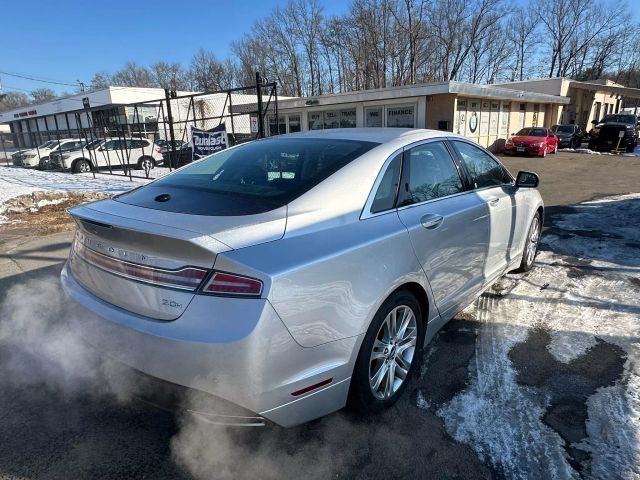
x: 464, y: 416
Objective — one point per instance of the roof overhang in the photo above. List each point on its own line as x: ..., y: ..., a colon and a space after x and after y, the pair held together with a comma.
x: 627, y: 92
x: 409, y: 91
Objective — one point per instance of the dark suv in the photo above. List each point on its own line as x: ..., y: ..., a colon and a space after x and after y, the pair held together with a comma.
x: 613, y: 128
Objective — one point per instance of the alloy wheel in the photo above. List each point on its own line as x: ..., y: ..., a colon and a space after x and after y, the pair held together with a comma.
x: 84, y: 167
x: 532, y: 242
x: 393, y: 352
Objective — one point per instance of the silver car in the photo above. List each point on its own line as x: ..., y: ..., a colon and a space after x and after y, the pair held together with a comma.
x: 285, y: 278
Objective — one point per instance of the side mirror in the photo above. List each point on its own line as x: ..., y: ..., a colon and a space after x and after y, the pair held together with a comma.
x: 527, y: 179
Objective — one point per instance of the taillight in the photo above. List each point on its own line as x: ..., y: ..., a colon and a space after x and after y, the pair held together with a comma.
x: 186, y: 278
x: 231, y: 284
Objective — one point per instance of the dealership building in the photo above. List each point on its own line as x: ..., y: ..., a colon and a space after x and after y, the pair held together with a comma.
x: 588, y: 101
x: 121, y: 111
x: 487, y: 114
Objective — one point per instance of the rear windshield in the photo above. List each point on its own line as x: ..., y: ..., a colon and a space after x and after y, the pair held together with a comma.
x: 532, y: 132
x: 252, y: 178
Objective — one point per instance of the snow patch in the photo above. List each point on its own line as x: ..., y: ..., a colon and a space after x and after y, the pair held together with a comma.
x: 578, y: 302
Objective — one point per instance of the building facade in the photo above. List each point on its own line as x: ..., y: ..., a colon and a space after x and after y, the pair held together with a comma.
x: 123, y: 111
x: 588, y: 101
x: 485, y: 113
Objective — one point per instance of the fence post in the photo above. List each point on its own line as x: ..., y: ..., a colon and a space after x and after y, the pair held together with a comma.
x: 260, y: 113
x: 172, y: 157
x: 5, y: 151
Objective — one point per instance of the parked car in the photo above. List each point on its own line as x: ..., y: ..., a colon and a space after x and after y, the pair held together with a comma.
x: 111, y: 152
x: 569, y: 136
x: 165, y: 145
x: 39, y: 157
x: 532, y: 141
x: 618, y: 130
x: 182, y: 156
x: 287, y: 277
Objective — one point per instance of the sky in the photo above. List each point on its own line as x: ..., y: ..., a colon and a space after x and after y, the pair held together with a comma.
x: 70, y: 40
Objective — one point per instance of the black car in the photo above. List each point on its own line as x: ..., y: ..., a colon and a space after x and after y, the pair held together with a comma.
x: 183, y: 155
x: 569, y: 136
x: 619, y: 130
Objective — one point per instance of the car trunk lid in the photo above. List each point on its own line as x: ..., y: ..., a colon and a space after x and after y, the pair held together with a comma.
x: 151, y: 262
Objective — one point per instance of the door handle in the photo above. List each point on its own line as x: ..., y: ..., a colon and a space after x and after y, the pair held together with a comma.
x: 431, y: 221
x: 493, y: 201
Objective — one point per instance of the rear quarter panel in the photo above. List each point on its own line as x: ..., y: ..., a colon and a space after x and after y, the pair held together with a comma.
x: 327, y: 285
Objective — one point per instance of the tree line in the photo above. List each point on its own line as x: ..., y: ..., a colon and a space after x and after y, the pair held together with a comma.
x: 382, y: 43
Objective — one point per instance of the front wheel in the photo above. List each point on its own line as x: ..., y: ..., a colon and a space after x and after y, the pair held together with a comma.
x: 531, y: 246
x: 44, y: 163
x: 389, y: 354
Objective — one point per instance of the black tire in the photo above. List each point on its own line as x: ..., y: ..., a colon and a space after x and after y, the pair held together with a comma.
x: 44, y: 163
x: 81, y: 166
x: 527, y: 259
x: 143, y: 160
x: 631, y: 147
x: 362, y: 398
x: 592, y: 146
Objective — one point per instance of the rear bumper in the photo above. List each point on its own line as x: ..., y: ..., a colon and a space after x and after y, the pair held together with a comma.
x: 237, y: 350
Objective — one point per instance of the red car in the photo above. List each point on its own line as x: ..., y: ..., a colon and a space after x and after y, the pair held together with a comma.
x: 532, y: 141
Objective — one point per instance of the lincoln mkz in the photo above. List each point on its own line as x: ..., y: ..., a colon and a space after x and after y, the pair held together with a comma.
x: 289, y: 277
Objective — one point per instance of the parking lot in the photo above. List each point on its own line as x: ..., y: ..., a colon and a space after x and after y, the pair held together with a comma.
x: 539, y: 378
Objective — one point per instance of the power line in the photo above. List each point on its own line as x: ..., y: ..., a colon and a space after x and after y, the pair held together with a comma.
x: 27, y: 77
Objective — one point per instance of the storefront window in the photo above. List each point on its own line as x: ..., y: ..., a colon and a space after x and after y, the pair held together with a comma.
x: 348, y: 118
x: 332, y: 119
x: 316, y: 121
x: 373, y: 117
x: 401, y: 117
x: 294, y: 123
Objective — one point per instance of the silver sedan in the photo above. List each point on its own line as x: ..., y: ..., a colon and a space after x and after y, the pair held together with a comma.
x: 286, y: 278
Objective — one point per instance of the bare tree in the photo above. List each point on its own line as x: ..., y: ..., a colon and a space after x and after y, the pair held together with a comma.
x: 133, y: 75
x: 12, y: 100
x: 521, y: 31
x: 100, y: 81
x: 41, y: 95
x: 169, y: 75
x: 206, y: 71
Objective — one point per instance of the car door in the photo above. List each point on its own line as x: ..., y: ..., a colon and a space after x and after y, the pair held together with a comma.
x: 494, y: 186
x: 448, y: 225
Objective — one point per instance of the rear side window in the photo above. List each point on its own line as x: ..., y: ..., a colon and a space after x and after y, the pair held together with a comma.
x: 429, y: 174
x: 485, y: 171
x: 386, y: 194
x: 252, y: 178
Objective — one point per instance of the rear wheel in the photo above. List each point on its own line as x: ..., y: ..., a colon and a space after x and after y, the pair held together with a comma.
x: 531, y: 247
x: 389, y: 354
x: 81, y: 166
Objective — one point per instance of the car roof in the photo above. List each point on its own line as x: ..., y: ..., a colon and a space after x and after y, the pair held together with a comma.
x: 374, y: 134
